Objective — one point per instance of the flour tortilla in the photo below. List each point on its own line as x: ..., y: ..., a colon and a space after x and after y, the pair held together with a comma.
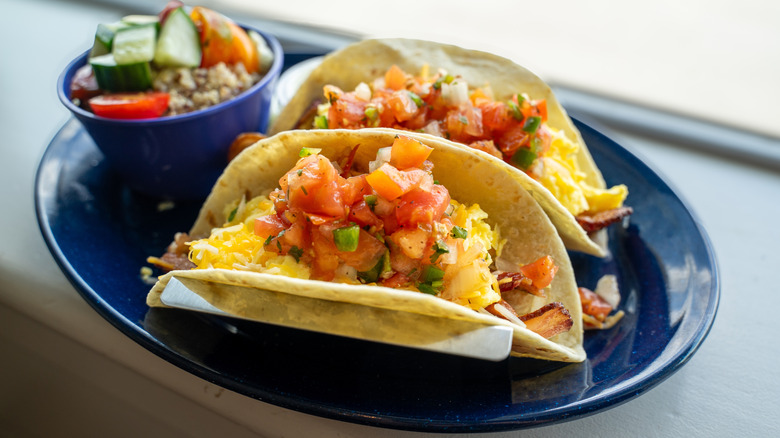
x: 366, y: 60
x: 468, y: 177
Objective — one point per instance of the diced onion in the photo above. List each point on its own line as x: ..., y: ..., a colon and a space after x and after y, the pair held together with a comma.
x: 363, y: 92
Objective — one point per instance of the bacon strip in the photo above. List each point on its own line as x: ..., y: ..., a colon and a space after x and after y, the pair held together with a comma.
x: 307, y: 118
x: 515, y: 280
x: 175, y: 257
x: 548, y: 320
x: 603, y: 219
x: 594, y: 305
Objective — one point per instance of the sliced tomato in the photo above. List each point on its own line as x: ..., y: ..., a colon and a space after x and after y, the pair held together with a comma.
x: 222, y: 40
x: 147, y: 105
x: 407, y: 152
x: 422, y: 207
x: 541, y: 271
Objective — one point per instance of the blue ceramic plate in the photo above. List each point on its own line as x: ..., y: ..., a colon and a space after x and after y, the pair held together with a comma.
x: 101, y: 233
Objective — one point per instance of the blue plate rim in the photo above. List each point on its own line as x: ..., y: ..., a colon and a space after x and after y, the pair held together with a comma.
x: 627, y: 390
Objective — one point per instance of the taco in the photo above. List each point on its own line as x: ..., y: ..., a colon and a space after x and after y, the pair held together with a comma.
x: 473, y: 98
x: 384, y: 219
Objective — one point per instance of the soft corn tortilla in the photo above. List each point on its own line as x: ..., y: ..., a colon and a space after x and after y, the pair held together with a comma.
x: 468, y: 177
x: 366, y: 60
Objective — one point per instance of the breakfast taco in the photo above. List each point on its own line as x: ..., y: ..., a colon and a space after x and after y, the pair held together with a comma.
x: 473, y: 98
x: 385, y: 219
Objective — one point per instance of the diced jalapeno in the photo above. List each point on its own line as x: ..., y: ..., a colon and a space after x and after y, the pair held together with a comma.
x: 515, y: 110
x: 321, y: 122
x: 370, y: 201
x: 524, y: 157
x: 346, y: 238
x: 372, y: 275
x: 431, y: 273
x: 416, y: 99
x: 372, y: 114
x: 305, y: 152
x: 532, y: 124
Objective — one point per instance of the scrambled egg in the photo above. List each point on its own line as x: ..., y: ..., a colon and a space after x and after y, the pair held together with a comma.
x: 563, y: 178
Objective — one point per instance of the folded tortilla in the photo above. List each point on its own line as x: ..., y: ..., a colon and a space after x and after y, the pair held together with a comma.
x: 469, y: 178
x: 366, y: 60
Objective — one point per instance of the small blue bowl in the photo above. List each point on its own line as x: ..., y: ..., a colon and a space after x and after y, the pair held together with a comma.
x: 177, y: 157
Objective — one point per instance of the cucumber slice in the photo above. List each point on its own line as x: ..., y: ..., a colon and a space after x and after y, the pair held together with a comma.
x: 136, y: 20
x: 111, y: 76
x: 135, y: 44
x: 104, y: 37
x: 179, y: 42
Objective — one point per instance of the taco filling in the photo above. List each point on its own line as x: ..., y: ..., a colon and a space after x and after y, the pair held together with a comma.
x: 394, y: 226
x: 514, y: 130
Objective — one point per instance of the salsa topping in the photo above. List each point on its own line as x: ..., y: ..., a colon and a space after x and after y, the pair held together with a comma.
x: 393, y: 226
x: 514, y: 129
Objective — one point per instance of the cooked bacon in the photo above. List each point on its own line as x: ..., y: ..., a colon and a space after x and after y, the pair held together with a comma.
x: 596, y: 221
x: 243, y: 141
x: 515, y: 280
x: 548, y: 320
x: 492, y: 309
x: 594, y: 305
x: 175, y: 257
x: 306, y: 120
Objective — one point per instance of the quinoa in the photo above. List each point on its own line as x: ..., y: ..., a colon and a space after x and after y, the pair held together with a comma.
x: 194, y: 89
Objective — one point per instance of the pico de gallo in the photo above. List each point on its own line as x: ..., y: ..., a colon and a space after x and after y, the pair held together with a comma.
x: 514, y: 130
x: 394, y: 226
x: 145, y: 67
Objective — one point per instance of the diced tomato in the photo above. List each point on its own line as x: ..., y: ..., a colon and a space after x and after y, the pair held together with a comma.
x: 361, y: 214
x: 355, y: 188
x: 512, y: 139
x: 407, y: 152
x: 422, y: 207
x: 390, y: 183
x: 496, y: 116
x: 486, y: 146
x: 367, y: 254
x: 271, y: 225
x: 146, y: 105
x: 395, y: 78
x: 402, y: 106
x: 347, y: 112
x: 314, y: 186
x: 464, y: 123
x: 541, y: 272
x: 222, y: 40
x: 541, y: 107
x: 325, y: 261
x: 411, y: 241
x: 396, y: 281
